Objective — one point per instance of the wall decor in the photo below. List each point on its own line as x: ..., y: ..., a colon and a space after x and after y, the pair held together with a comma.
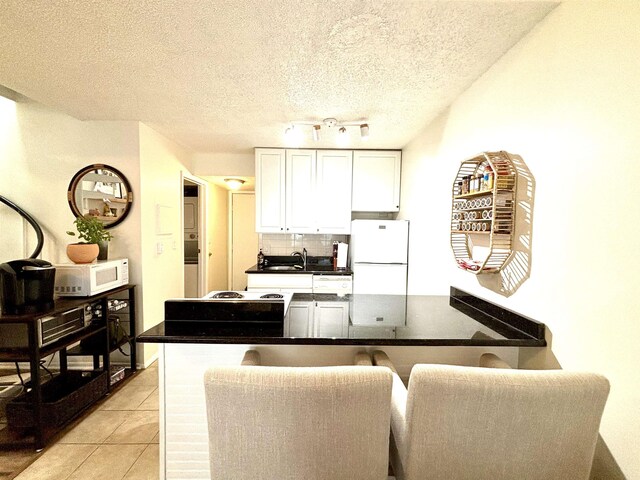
x: 100, y: 191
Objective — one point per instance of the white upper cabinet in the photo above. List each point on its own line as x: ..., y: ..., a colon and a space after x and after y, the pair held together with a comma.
x: 300, y: 191
x: 303, y: 191
x: 270, y: 190
x: 333, y: 191
x: 376, y: 181
x: 315, y: 191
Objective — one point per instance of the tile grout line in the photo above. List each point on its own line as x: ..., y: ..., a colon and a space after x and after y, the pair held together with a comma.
x: 86, y: 458
x: 103, y: 442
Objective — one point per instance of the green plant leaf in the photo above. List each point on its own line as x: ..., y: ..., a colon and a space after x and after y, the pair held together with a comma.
x: 91, y: 230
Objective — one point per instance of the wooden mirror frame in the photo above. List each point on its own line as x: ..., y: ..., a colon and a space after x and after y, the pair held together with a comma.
x: 126, y: 199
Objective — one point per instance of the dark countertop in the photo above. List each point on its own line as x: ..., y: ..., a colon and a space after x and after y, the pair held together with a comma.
x: 315, y: 265
x: 460, y: 319
x: 311, y: 269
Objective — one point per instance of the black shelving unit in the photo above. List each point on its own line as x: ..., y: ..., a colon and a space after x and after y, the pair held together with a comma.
x: 84, y: 388
x: 110, y: 305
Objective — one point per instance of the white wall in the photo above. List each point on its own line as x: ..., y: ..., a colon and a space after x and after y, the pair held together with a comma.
x: 567, y: 99
x: 40, y: 151
x: 161, y: 164
x: 216, y: 164
x: 218, y: 232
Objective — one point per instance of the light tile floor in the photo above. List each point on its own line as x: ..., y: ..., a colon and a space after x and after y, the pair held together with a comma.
x: 117, y: 440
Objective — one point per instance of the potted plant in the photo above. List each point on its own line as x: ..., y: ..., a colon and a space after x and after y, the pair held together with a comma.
x: 94, y: 240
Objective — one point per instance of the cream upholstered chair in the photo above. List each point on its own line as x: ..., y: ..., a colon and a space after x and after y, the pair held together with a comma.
x: 298, y: 422
x: 494, y: 423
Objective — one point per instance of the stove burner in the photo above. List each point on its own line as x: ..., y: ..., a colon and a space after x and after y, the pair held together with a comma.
x: 227, y: 295
x: 272, y: 295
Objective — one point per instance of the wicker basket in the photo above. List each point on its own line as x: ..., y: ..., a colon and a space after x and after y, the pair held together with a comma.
x: 63, y: 397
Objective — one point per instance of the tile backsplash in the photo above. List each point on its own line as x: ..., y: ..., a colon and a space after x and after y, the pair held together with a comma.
x: 283, y: 244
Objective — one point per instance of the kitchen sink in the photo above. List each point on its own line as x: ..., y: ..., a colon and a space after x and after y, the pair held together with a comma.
x: 283, y: 267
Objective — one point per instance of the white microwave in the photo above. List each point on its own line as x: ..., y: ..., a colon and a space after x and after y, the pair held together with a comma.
x: 87, y: 279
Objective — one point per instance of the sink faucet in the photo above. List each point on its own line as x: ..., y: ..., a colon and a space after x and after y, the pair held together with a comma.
x: 302, y: 255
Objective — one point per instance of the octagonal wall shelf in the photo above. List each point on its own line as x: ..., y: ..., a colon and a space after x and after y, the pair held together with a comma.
x: 483, y: 212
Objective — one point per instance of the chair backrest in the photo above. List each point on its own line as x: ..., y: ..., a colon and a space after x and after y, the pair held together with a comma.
x: 478, y: 423
x: 298, y: 422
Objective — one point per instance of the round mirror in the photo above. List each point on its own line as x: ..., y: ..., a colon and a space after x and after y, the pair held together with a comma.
x: 100, y: 191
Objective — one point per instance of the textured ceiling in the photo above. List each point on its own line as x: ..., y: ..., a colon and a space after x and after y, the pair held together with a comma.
x: 226, y: 76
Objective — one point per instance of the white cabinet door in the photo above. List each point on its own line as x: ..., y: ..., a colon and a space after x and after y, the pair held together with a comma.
x: 301, y: 179
x: 376, y: 181
x: 299, y: 319
x: 333, y: 191
x: 331, y: 319
x: 270, y: 190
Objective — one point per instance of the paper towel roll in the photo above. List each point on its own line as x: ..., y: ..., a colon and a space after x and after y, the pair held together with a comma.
x: 343, y: 248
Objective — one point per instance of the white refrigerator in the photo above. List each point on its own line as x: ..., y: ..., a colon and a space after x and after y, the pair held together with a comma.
x: 379, y: 255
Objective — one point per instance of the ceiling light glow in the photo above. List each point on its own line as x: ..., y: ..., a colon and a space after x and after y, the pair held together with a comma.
x: 234, y: 183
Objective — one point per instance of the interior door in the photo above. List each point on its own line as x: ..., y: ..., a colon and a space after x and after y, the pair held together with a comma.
x: 244, y: 239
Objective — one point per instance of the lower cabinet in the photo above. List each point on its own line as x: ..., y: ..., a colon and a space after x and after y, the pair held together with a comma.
x: 317, y: 319
x: 299, y: 319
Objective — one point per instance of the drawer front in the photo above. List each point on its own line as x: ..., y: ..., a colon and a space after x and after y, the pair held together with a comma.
x: 280, y: 282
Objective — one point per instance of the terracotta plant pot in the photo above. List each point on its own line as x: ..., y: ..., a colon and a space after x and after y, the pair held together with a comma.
x: 82, y: 252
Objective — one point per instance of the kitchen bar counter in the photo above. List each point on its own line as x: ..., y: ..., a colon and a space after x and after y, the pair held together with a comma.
x: 459, y: 328
x: 460, y: 319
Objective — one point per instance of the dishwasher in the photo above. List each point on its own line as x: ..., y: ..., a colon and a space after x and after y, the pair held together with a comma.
x: 339, y: 284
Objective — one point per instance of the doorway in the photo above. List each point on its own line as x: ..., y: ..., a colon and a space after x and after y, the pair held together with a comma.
x: 243, y: 241
x: 194, y: 235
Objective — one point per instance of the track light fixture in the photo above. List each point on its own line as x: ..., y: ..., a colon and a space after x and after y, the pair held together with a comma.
x: 364, y: 131
x: 293, y: 132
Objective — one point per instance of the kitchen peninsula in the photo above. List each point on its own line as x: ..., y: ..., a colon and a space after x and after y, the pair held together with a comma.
x: 411, y: 329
